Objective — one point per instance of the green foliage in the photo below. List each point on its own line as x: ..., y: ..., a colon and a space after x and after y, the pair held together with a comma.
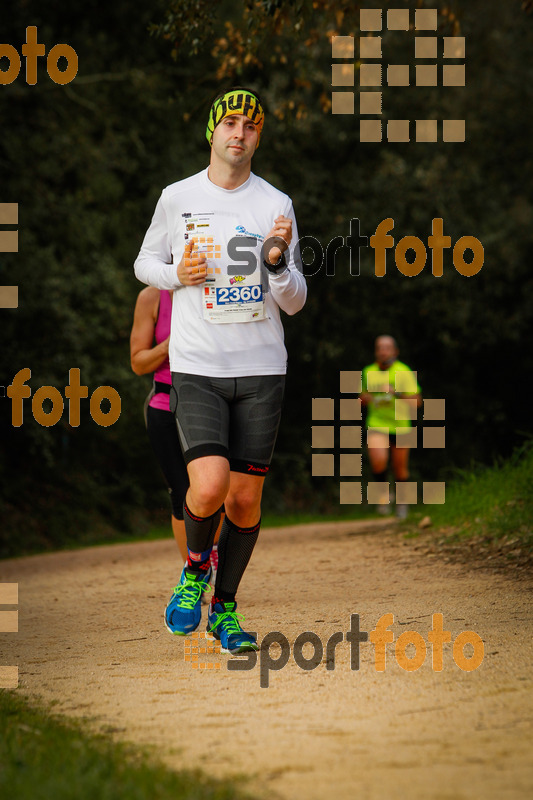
x: 43, y: 757
x: 494, y: 502
x: 87, y: 161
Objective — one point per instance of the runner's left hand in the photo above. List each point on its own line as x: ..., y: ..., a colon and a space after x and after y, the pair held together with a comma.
x: 282, y: 235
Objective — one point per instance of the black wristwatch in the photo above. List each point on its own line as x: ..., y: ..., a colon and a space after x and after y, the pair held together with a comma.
x: 277, y: 268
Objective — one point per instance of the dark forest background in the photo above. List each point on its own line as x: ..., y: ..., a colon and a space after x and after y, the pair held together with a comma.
x: 86, y: 163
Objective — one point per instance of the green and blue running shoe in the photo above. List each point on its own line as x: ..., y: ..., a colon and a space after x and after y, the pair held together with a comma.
x: 184, y: 610
x: 223, y: 624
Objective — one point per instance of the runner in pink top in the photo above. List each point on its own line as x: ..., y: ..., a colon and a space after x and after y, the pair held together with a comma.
x: 152, y: 321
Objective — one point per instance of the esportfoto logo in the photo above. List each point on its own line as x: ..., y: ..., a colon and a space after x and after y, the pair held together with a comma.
x: 9, y: 623
x: 348, y: 464
x: 373, y: 74
x: 410, y: 649
x: 18, y: 390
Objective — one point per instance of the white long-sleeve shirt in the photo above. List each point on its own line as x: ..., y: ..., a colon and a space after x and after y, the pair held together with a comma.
x: 204, y: 339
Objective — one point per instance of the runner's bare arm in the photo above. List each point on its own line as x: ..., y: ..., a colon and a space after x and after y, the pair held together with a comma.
x: 145, y: 358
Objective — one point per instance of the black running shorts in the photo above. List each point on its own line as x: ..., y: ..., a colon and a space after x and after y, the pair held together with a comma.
x: 163, y: 435
x: 237, y: 418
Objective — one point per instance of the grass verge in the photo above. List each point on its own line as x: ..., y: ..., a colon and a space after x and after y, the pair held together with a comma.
x: 42, y: 757
x: 490, y: 509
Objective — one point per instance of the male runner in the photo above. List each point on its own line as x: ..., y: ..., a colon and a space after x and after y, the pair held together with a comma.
x: 384, y: 383
x: 218, y: 239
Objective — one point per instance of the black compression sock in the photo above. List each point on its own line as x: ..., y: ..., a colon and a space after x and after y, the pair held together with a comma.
x: 200, y: 537
x: 380, y: 476
x: 235, y: 548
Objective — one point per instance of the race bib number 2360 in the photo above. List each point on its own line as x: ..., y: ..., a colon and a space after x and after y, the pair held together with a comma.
x: 238, y: 294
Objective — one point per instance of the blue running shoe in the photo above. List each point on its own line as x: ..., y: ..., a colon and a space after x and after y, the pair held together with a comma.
x: 223, y: 624
x: 184, y: 610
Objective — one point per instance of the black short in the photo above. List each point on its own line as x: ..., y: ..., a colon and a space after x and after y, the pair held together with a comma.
x: 394, y: 439
x: 163, y: 435
x: 237, y: 418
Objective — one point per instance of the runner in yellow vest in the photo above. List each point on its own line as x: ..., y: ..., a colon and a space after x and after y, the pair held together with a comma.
x: 390, y: 389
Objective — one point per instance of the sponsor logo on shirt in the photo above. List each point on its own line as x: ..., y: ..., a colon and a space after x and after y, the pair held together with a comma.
x: 237, y: 279
x: 242, y: 230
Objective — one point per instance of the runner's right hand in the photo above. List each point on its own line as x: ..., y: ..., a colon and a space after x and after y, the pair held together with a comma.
x: 191, y: 270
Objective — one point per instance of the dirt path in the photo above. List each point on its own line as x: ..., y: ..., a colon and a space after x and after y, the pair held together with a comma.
x: 91, y: 638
